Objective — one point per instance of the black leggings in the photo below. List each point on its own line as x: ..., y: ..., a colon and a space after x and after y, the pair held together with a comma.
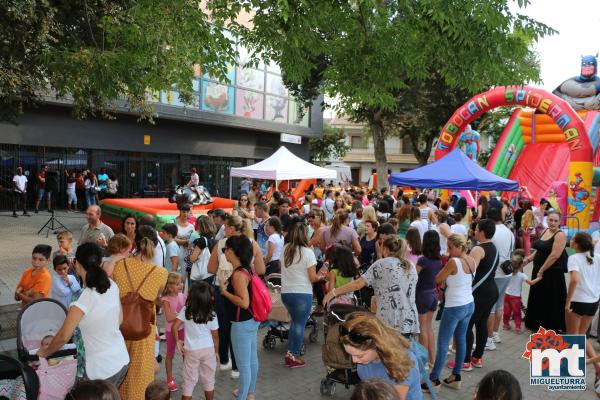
x: 225, y: 348
x: 485, y: 297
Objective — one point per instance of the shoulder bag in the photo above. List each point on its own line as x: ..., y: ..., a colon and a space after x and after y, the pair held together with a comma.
x: 138, y: 313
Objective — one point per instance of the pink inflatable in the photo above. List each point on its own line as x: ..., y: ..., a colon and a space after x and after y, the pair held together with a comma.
x: 468, y: 195
x: 557, y: 196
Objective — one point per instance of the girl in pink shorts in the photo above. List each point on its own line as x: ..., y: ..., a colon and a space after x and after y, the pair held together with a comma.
x: 201, y: 343
x: 172, y: 302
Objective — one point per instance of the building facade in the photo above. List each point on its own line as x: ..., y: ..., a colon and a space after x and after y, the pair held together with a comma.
x: 230, y: 124
x: 361, y: 156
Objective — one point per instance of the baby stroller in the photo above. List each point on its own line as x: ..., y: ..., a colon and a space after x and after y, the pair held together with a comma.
x: 279, y: 318
x: 340, y: 368
x: 56, y: 374
x: 18, y: 381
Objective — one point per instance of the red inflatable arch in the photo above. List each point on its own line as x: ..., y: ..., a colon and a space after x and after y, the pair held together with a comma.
x: 580, y: 167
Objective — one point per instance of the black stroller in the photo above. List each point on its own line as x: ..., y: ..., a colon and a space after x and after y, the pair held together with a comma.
x: 22, y: 378
x: 340, y: 368
x: 279, y: 318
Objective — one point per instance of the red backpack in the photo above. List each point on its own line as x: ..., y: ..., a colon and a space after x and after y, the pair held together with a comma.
x: 260, y: 299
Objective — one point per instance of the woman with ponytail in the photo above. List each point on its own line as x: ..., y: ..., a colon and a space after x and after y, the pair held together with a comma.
x: 394, y: 280
x: 340, y: 233
x: 97, y: 313
x: 583, y: 292
x: 381, y: 352
x: 219, y: 265
x: 129, y: 274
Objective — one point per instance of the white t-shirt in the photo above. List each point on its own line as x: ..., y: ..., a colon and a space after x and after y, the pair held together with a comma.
x: 504, y: 241
x: 105, y: 351
x: 516, y: 284
x: 425, y: 212
x: 220, y: 233
x: 588, y: 288
x: 294, y: 277
x: 328, y: 206
x: 422, y: 225
x: 596, y: 238
x: 277, y: 241
x: 20, y: 182
x: 159, y: 252
x: 459, y: 229
x: 197, y: 336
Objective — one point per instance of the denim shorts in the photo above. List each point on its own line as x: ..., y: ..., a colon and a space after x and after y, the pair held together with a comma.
x: 426, y: 301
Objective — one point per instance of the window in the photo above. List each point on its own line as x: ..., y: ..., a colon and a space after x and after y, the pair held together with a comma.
x: 407, y: 147
x: 357, y: 142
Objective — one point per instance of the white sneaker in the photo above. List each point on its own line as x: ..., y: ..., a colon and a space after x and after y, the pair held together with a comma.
x: 235, y: 374
x: 496, y: 337
x: 489, y: 345
x: 225, y: 367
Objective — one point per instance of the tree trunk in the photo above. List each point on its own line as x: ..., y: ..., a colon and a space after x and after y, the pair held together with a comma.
x: 379, y: 147
x: 422, y: 156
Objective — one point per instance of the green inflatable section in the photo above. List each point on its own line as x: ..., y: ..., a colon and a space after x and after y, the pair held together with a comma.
x: 506, y: 160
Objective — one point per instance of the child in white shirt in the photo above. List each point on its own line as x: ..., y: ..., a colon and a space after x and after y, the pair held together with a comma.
x: 273, y: 228
x: 201, y: 344
x: 512, y: 298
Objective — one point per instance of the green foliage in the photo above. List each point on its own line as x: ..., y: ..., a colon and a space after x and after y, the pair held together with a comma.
x: 25, y: 30
x: 332, y: 145
x: 372, y: 54
x: 101, y: 51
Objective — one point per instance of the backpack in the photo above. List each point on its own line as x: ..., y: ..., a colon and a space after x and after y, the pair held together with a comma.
x: 138, y: 313
x: 260, y: 298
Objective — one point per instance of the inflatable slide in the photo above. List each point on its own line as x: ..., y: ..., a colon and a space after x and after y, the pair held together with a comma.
x: 533, y: 151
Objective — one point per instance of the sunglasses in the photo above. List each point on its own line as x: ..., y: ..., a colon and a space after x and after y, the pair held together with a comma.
x: 311, y: 216
x: 226, y: 248
x: 355, y: 337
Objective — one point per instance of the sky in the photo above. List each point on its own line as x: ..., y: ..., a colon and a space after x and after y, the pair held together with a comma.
x: 577, y: 22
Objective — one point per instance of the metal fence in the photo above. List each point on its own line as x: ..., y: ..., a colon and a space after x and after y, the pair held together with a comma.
x: 138, y: 174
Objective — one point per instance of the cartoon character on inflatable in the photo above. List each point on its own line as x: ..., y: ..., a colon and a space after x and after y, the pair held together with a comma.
x: 583, y: 91
x: 470, y: 139
x: 578, y: 195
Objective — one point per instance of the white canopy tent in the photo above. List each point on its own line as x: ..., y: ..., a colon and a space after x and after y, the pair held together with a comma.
x: 282, y: 165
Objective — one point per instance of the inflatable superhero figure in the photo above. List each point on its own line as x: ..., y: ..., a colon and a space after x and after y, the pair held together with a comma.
x: 578, y: 195
x: 470, y: 139
x: 583, y: 91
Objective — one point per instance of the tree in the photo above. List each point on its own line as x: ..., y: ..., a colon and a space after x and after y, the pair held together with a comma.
x: 97, y: 52
x: 331, y: 145
x: 367, y: 52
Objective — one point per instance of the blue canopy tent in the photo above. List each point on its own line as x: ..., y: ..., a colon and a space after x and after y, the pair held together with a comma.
x: 454, y: 171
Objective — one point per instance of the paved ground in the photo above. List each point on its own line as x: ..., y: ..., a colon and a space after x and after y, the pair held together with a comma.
x: 18, y: 236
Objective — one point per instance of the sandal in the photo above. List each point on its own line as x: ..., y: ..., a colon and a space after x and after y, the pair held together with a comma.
x: 453, y: 381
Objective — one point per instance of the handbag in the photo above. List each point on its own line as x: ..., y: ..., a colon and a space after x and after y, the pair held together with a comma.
x: 138, y: 313
x: 199, y: 270
x: 480, y: 282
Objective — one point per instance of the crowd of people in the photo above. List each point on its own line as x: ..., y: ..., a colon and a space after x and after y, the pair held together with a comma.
x: 409, y: 259
x: 82, y: 189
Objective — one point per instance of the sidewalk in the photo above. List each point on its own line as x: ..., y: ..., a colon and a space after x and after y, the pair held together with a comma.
x: 18, y: 236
